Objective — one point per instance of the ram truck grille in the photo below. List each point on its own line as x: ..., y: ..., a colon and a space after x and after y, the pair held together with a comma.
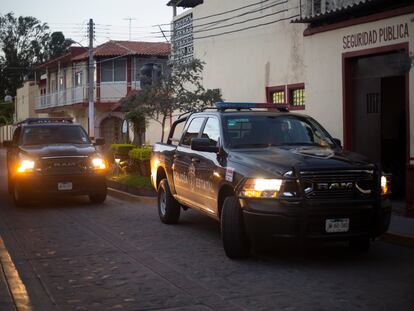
x: 338, y: 185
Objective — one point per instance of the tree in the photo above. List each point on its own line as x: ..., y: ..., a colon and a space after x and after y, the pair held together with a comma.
x: 179, y: 90
x: 58, y: 45
x: 25, y: 41
x: 22, y: 40
x: 6, y: 113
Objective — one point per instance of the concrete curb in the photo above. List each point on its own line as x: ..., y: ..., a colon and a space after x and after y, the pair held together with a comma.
x: 399, y: 239
x: 131, y: 197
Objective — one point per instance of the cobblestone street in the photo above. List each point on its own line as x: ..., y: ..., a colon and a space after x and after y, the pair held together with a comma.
x: 72, y: 255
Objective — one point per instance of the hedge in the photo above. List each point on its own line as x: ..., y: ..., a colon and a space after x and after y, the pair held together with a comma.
x: 140, y: 153
x: 121, y: 149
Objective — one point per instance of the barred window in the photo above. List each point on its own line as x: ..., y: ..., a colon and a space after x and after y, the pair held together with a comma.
x: 297, y: 97
x: 278, y: 97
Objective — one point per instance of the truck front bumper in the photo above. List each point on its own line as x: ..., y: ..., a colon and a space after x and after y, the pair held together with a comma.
x: 278, y: 219
x: 40, y: 185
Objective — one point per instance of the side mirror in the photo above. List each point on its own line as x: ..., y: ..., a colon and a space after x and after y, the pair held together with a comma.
x: 99, y: 142
x: 7, y: 144
x: 338, y: 142
x: 204, y: 144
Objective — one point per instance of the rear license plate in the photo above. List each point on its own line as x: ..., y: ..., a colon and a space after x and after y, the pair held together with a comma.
x: 337, y: 225
x: 65, y: 186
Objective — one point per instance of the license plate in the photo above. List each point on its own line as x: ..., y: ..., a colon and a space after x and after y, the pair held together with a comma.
x: 65, y: 186
x: 337, y: 225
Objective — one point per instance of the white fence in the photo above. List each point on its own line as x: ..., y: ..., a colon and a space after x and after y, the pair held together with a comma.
x: 6, y: 133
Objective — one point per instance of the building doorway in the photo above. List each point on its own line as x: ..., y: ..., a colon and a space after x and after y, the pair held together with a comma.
x: 376, y: 112
x: 110, y: 130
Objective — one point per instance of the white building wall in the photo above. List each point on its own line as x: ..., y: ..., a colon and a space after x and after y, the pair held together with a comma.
x: 243, y: 63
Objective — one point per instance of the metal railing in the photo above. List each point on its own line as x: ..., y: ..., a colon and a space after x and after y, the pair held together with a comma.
x: 103, y: 92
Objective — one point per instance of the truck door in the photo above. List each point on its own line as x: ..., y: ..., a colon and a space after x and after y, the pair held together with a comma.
x: 206, y: 181
x: 185, y: 163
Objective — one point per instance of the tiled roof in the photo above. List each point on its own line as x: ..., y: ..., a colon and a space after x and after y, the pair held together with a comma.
x: 117, y: 48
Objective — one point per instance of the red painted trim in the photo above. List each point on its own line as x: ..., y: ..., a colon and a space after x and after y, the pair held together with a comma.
x: 346, y: 86
x: 129, y: 74
x: 347, y: 109
x: 360, y: 20
x: 271, y: 89
x: 289, y: 89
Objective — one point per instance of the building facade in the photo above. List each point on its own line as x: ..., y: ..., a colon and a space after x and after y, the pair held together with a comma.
x: 348, y: 63
x: 120, y: 67
x: 25, y: 101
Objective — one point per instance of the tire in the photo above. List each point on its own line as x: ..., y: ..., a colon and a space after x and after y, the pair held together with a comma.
x: 98, y: 197
x: 360, y: 244
x: 168, y: 207
x: 235, y: 241
x: 19, y: 198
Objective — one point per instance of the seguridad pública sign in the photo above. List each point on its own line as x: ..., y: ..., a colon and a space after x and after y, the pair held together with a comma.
x: 380, y: 35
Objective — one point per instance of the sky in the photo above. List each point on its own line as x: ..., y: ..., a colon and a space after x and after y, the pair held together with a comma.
x: 110, y: 17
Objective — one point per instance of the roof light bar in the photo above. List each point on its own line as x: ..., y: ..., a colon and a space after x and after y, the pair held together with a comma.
x: 249, y: 105
x: 46, y: 120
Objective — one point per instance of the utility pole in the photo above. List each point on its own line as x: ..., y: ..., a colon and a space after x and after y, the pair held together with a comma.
x: 130, y: 19
x: 91, y: 108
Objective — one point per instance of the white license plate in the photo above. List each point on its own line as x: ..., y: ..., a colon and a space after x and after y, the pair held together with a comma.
x: 65, y: 186
x: 337, y: 225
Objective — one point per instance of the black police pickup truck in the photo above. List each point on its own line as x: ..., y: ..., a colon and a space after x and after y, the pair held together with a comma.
x: 268, y: 173
x: 54, y: 156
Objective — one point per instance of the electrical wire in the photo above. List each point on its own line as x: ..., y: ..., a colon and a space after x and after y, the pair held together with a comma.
x: 246, y: 28
x: 242, y: 14
x: 225, y: 12
x: 241, y: 22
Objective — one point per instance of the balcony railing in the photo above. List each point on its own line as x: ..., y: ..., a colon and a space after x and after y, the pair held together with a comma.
x: 103, y: 92
x: 312, y: 8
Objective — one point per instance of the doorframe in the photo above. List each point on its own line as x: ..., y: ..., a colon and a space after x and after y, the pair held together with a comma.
x: 347, y: 91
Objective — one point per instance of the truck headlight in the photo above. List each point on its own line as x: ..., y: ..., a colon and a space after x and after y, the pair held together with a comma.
x: 98, y: 164
x: 25, y: 166
x: 261, y: 188
x: 385, y: 185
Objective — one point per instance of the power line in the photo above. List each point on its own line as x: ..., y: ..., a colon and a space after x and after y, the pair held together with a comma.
x: 242, y: 14
x: 225, y: 12
x: 246, y: 28
x: 241, y: 22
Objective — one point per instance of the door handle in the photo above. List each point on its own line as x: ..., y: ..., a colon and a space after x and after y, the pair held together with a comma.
x: 195, y: 160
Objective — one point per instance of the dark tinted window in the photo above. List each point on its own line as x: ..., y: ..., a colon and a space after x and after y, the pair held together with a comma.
x: 54, y: 134
x: 192, y: 131
x: 212, y: 130
x: 263, y: 131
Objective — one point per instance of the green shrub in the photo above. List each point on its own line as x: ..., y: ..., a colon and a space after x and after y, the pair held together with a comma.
x: 140, y: 153
x: 121, y: 149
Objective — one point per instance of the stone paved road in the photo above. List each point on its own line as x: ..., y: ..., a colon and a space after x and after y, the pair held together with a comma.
x: 72, y: 255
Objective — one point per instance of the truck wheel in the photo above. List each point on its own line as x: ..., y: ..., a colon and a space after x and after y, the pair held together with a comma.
x: 19, y: 198
x: 360, y: 244
x: 168, y: 207
x: 98, y: 197
x: 235, y: 242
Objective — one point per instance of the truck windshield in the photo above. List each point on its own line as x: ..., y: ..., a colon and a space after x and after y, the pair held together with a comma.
x: 260, y: 131
x: 54, y: 134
